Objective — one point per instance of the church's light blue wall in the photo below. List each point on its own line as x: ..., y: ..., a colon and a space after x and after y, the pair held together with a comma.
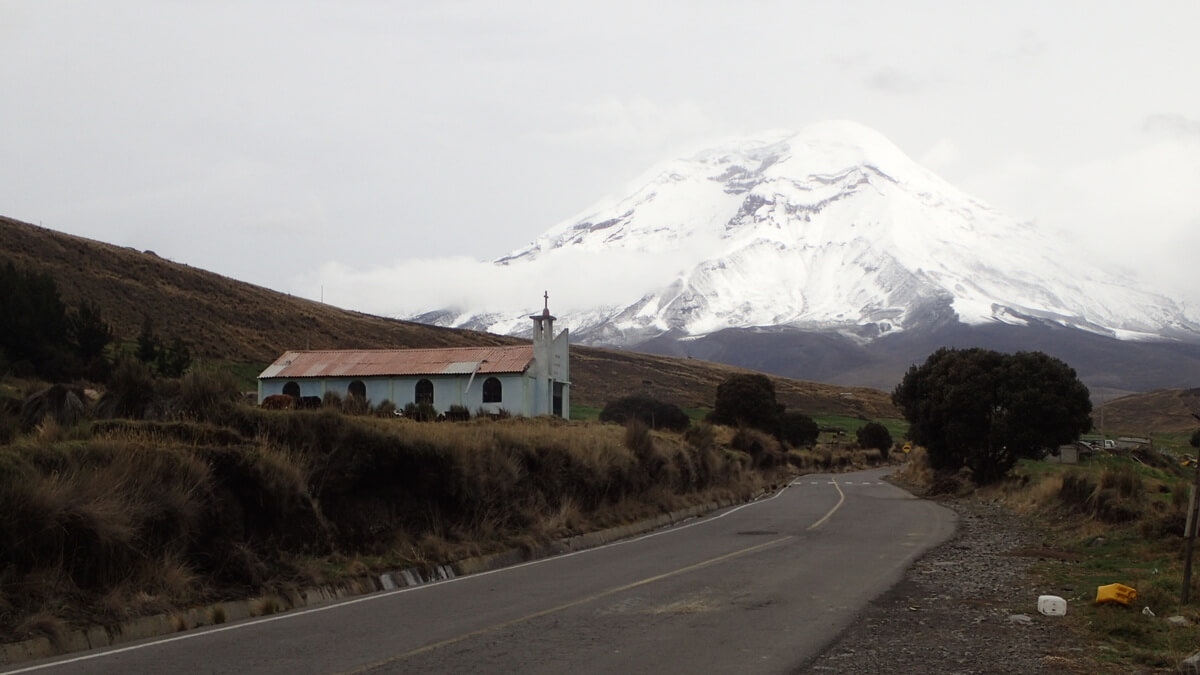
x: 448, y: 390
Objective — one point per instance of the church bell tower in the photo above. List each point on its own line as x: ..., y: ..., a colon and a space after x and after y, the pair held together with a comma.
x: 551, y: 365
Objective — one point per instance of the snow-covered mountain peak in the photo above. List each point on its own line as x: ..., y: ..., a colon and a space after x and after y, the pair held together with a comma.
x: 828, y: 228
x: 713, y: 194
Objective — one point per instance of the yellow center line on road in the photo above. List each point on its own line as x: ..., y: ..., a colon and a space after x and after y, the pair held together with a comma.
x: 575, y: 603
x: 827, y: 516
x: 591, y: 598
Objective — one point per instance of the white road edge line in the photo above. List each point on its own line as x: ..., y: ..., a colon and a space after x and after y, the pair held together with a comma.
x: 408, y: 589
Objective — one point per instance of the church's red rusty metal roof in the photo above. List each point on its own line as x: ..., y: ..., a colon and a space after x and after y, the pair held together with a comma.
x: 385, y: 362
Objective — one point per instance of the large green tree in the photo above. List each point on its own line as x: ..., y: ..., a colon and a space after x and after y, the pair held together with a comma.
x: 33, y: 318
x: 746, y: 400
x: 39, y: 336
x: 875, y: 435
x: 984, y: 410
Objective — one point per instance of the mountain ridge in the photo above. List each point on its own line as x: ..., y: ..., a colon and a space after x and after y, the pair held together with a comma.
x: 831, y: 230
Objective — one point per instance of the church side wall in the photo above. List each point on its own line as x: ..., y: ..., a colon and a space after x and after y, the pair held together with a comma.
x: 447, y: 390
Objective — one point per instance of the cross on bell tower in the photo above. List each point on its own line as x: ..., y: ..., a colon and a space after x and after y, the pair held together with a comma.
x: 543, y: 324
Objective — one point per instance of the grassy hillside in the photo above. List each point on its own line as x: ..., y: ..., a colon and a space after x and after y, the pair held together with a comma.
x: 1164, y: 411
x: 242, y: 324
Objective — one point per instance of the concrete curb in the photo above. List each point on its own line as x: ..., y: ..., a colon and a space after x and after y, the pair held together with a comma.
x: 176, y: 622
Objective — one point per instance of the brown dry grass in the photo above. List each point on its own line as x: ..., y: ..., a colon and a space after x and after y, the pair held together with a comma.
x: 916, y: 469
x: 150, y: 517
x: 1162, y: 411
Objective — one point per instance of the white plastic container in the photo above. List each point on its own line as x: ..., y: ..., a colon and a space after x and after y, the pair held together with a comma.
x: 1052, y: 605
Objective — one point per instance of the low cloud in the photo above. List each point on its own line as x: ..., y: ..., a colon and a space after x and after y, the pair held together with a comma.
x: 629, y: 122
x: 894, y: 81
x: 576, y: 281
x: 1138, y: 210
x: 1175, y: 126
x: 942, y: 154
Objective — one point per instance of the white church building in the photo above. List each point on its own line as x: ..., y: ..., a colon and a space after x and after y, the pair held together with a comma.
x: 526, y: 380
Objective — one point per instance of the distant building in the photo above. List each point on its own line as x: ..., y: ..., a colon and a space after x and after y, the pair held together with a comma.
x: 1067, y: 454
x: 1132, y: 442
x: 524, y: 380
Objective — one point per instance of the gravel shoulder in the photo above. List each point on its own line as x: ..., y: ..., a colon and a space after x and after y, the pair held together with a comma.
x: 958, y: 610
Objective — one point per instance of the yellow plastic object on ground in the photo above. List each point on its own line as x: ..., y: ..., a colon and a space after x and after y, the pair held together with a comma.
x: 1115, y: 593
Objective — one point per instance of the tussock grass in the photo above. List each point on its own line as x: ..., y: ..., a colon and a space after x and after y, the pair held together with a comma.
x: 1119, y: 495
x: 916, y: 469
x: 216, y: 615
x: 121, y: 518
x: 205, y: 392
x: 43, y: 624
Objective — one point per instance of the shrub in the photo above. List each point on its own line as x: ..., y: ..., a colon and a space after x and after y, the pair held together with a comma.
x: 798, y: 429
x: 638, y: 439
x: 1076, y: 490
x: 331, y: 400
x: 1169, y: 524
x: 1127, y: 484
x: 385, y: 409
x: 174, y: 359
x: 355, y: 405
x: 746, y: 400
x: 703, y: 439
x: 458, y: 413
x: 875, y: 435
x: 59, y: 403
x: 421, y: 412
x: 207, y: 392
x: 1180, y: 494
x: 650, y: 411
x: 764, y: 448
x: 701, y: 436
x: 10, y: 420
x: 131, y: 392
x: 1117, y: 498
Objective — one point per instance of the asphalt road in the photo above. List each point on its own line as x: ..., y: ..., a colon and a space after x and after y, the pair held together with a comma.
x: 760, y: 588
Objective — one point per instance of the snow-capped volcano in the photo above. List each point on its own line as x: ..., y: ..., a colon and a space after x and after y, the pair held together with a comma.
x: 832, y: 228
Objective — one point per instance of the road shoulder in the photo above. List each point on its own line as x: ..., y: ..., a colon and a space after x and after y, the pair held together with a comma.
x: 954, y: 611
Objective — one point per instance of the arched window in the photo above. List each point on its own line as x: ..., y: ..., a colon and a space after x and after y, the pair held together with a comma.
x: 357, y: 390
x: 291, y: 389
x: 424, y: 392
x: 493, y: 391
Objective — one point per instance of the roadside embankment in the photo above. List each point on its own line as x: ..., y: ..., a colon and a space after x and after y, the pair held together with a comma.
x: 115, y: 523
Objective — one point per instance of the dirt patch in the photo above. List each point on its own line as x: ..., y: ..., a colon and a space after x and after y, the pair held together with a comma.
x: 1042, y: 553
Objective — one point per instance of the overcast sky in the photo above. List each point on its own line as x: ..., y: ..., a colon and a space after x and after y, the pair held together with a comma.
x: 269, y: 140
